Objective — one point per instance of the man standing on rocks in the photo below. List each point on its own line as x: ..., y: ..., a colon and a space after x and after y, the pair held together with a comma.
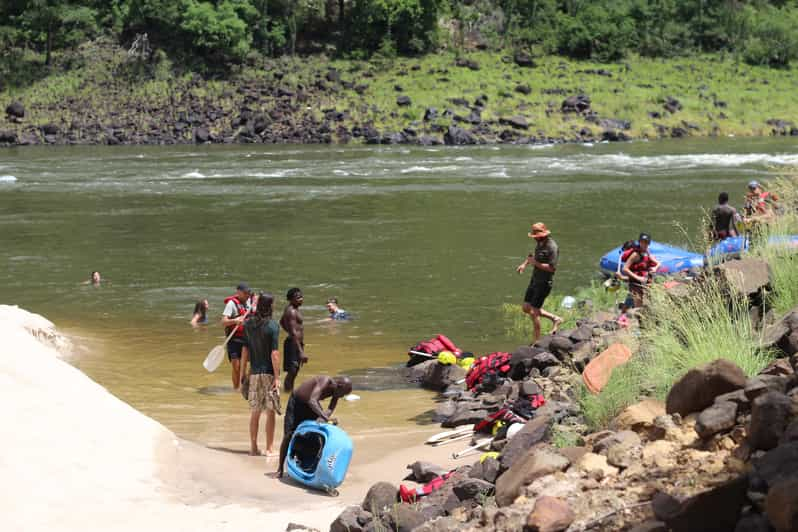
x: 294, y: 346
x: 544, y: 259
x: 305, y: 405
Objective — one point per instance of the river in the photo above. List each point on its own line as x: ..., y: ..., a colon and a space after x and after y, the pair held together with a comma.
x: 412, y: 241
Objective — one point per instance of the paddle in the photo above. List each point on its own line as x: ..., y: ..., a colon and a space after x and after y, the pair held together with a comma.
x: 470, y: 450
x: 216, y: 355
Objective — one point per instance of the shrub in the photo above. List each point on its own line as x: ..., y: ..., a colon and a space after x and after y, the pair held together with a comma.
x: 774, y: 38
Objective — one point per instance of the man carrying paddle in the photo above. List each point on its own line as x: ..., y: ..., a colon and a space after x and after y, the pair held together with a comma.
x: 262, y: 353
x: 294, y: 346
x: 544, y: 259
x: 235, y: 310
x: 305, y: 405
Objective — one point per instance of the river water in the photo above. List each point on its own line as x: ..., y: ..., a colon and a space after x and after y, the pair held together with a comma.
x: 412, y: 241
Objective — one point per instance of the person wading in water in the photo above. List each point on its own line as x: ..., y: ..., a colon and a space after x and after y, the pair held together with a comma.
x: 294, y: 346
x: 305, y: 405
x: 724, y: 217
x: 544, y: 259
x: 235, y: 309
x: 263, y: 355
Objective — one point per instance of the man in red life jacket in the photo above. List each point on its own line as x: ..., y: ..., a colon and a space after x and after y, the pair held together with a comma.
x: 759, y: 205
x: 233, y: 315
x: 544, y: 259
x: 639, y: 266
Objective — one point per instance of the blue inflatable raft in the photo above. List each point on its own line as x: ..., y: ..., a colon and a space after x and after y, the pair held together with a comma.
x: 319, y: 455
x: 737, y: 244
x: 672, y: 259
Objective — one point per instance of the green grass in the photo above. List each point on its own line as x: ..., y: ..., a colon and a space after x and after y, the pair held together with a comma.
x: 637, y: 86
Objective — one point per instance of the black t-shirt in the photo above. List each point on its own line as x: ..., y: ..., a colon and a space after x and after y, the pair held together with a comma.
x: 546, y: 252
x: 262, y: 338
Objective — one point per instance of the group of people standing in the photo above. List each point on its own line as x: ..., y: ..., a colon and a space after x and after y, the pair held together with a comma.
x: 758, y: 206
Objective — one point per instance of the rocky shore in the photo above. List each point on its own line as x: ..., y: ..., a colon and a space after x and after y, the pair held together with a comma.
x: 719, y: 454
x: 514, y: 99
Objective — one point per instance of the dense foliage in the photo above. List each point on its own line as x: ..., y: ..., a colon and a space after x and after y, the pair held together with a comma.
x: 220, y: 32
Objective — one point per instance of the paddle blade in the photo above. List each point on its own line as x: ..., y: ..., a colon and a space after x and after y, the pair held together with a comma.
x: 214, y: 358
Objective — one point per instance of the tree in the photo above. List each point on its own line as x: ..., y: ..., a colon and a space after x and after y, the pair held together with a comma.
x: 55, y: 22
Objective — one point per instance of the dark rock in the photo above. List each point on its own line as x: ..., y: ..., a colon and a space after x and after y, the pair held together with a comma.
x: 791, y: 432
x: 717, y: 418
x: 535, y: 463
x: 715, y: 510
x: 582, y: 333
x: 398, y: 88
x: 487, y: 470
x: 426, y: 140
x: 679, y: 132
x: 614, y: 136
x: 352, y: 519
x: 15, y: 110
x: 523, y: 59
x: 549, y: 514
x: 614, y: 123
x: 517, y: 122
x: 471, y: 488
x: 201, y: 135
x: 438, y: 377
x: 535, y: 430
x: 361, y: 88
x: 753, y: 523
x: 49, y: 129
x: 655, y: 114
x: 626, y: 438
x: 762, y: 384
x: 417, y: 372
x: 467, y: 63
x: 778, y: 367
x: 523, y: 89
x: 770, y: 415
x: 283, y: 92
x: 403, y: 518
x: 699, y: 387
x: 781, y: 505
x: 456, y: 136
x: 333, y: 76
x: 747, y: 276
x: 462, y: 102
x: 576, y: 104
x: 465, y: 417
x: 777, y: 465
x: 560, y: 346
x: 380, y: 496
x: 672, y: 105
x: 403, y: 100
x: 783, y: 334
x: 430, y: 114
x: 424, y: 472
x: 737, y: 397
x: 8, y: 137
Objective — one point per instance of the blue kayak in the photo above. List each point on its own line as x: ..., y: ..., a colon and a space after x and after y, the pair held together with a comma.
x: 737, y: 244
x: 319, y: 455
x: 672, y: 259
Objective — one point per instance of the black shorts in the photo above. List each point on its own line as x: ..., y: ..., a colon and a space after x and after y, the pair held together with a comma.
x: 291, y: 361
x: 295, y: 413
x: 234, y: 348
x: 537, y: 292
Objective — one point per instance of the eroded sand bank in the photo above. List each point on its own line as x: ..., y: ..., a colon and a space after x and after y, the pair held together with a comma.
x: 75, y: 457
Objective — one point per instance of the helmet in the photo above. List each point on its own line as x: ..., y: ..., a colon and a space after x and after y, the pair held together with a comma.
x: 447, y: 358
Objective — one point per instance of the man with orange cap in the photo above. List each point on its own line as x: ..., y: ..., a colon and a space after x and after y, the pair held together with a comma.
x: 544, y: 259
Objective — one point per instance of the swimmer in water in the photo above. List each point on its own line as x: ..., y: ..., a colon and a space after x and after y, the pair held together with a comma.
x: 94, y: 279
x: 336, y: 312
x: 200, y: 316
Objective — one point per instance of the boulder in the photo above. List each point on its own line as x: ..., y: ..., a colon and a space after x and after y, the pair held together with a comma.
x: 549, y: 514
x: 380, y: 496
x: 8, y: 137
x: 15, y: 110
x: 487, y: 470
x: 465, y: 417
x: 753, y: 523
x: 523, y: 59
x: 714, y: 510
x: 456, y: 136
x: 403, y: 100
x: 761, y: 384
x: 471, y: 488
x: 516, y: 122
x: 201, y: 135
x: 672, y: 105
x: 417, y: 372
x: 650, y: 526
x: 333, y: 76
x: 49, y: 129
x: 535, y: 430
x: 624, y: 455
x: 404, y: 518
x: 467, y: 63
x: 783, y: 334
x: 778, y: 368
x: 791, y: 432
x: 524, y: 89
x: 781, y: 505
x: 575, y: 104
x: 438, y: 377
x: 561, y: 346
x: 717, y: 418
x: 614, y: 123
x: 745, y: 276
x: 640, y: 416
x: 624, y: 438
x: 430, y: 113
x: 424, y: 472
x: 777, y: 465
x: 537, y: 462
x: 699, y: 387
x: 352, y: 519
x: 592, y: 462
x: 770, y: 415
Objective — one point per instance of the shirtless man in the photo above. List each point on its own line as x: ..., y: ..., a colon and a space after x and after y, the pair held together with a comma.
x: 292, y: 323
x: 305, y: 404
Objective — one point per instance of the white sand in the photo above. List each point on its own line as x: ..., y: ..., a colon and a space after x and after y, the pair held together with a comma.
x: 74, y: 457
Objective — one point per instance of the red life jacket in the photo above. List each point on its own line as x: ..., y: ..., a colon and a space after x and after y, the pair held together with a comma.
x: 642, y: 266
x: 494, y: 363
x: 241, y: 309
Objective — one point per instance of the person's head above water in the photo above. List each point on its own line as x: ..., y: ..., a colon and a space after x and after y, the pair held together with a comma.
x: 295, y: 297
x: 95, y: 277
x: 723, y: 198
x: 265, y: 304
x: 332, y: 304
x: 201, y: 307
x: 343, y: 386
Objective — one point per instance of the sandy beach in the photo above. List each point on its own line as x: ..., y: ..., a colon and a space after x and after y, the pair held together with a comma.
x: 77, y: 458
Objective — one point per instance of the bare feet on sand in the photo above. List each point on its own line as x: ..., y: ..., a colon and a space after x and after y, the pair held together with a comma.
x: 255, y: 452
